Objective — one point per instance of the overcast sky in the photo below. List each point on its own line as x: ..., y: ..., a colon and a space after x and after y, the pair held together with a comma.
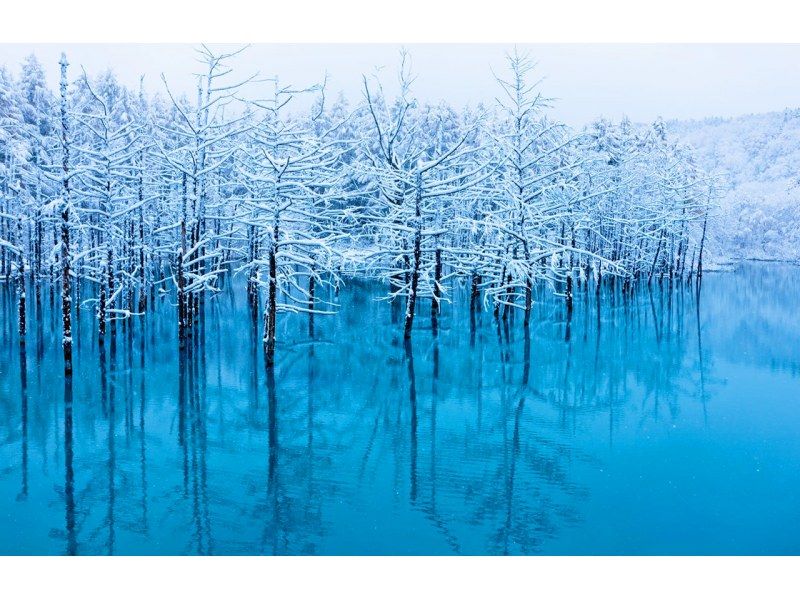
x: 588, y: 80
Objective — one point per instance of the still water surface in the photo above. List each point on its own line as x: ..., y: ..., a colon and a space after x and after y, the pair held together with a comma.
x: 657, y: 425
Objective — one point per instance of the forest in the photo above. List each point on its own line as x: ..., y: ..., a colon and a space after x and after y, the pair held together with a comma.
x: 113, y: 199
x: 756, y: 216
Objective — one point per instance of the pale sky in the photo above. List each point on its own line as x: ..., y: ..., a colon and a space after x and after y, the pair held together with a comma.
x: 588, y: 80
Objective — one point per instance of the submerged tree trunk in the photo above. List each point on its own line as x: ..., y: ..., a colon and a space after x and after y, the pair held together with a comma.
x: 101, y: 308
x: 655, y: 258
x: 412, y: 291
x: 271, y: 308
x: 21, y: 315
x: 509, y: 298
x: 142, y: 266
x: 700, y: 252
x: 568, y: 295
x: 252, y: 279
x: 436, y: 303
x: 181, y: 290
x: 570, y: 270
x: 311, y: 301
x: 66, y: 296
x: 37, y: 268
x: 528, y: 301
x: 475, y: 292
x: 411, y: 302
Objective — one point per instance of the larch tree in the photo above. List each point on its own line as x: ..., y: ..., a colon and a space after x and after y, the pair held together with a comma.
x: 292, y: 189
x: 409, y: 178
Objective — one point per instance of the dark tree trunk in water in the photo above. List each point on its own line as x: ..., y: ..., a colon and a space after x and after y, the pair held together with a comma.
x: 568, y: 296
x: 528, y: 285
x: 192, y: 299
x: 101, y: 310
x: 655, y: 259
x: 436, y: 303
x: 473, y: 306
x: 528, y: 302
x: 252, y: 285
x: 199, y: 269
x: 21, y: 315
x: 66, y: 296
x: 66, y: 315
x: 142, y: 267
x: 129, y: 287
x: 700, y: 253
x: 106, y: 292
x: 270, y: 310
x: 311, y: 290
x: 569, y: 290
x: 411, y: 303
x: 181, y: 290
x: 509, y: 297
x: 475, y: 293
x: 38, y: 263
x: 568, y: 329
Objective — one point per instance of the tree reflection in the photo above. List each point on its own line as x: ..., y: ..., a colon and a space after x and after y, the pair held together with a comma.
x: 69, y: 471
x: 476, y: 438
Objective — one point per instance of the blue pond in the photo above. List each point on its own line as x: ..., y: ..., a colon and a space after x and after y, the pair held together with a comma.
x: 663, y: 423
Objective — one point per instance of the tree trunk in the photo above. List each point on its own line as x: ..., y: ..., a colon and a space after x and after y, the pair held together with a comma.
x: 270, y: 310
x: 142, y: 269
x: 436, y: 303
x: 66, y: 297
x: 21, y: 316
x: 411, y: 303
x: 311, y: 298
x: 101, y: 309
x: 412, y: 292
x: 528, y: 301
x: 181, y: 290
x: 475, y: 293
x: 700, y: 253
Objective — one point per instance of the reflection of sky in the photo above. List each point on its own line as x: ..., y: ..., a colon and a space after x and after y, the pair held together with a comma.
x: 642, y: 81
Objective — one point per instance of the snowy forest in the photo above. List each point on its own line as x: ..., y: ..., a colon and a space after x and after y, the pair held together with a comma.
x: 757, y: 212
x: 113, y: 199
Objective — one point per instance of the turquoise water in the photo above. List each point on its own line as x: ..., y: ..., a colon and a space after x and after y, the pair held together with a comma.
x: 660, y: 424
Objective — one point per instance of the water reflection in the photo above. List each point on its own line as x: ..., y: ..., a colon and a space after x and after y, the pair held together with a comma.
x: 481, y: 436
x: 69, y: 471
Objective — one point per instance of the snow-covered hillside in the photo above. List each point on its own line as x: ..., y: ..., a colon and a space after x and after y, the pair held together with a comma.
x: 758, y: 156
